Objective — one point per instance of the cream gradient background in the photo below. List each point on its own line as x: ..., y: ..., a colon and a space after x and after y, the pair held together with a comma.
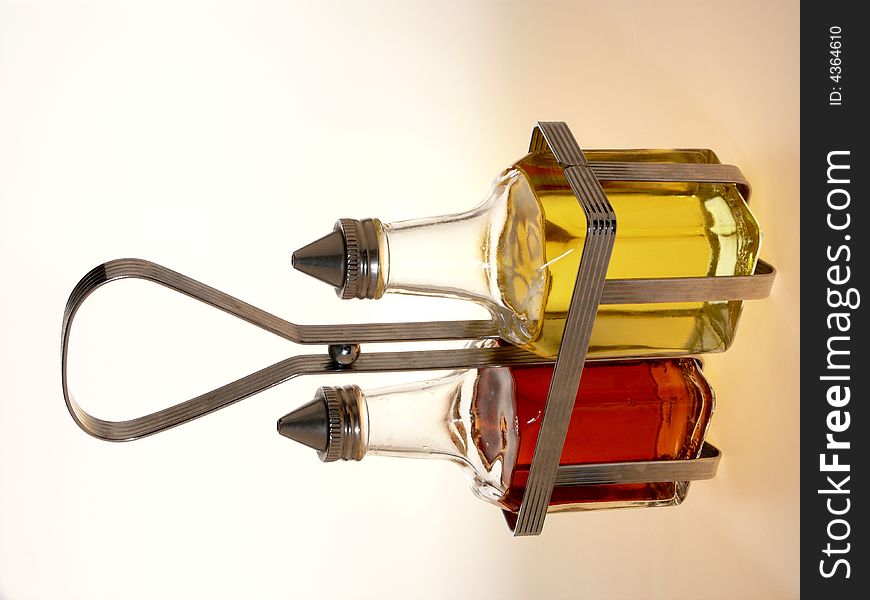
x: 215, y: 138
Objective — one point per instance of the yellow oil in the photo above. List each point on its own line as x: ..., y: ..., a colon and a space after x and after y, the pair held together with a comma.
x: 663, y: 230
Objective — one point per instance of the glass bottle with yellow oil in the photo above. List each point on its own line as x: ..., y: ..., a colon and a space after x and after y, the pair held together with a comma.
x: 517, y: 254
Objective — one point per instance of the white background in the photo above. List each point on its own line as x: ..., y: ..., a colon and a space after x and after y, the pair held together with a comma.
x: 215, y: 138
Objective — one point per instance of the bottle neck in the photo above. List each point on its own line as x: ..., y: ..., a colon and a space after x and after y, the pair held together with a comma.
x: 439, y: 256
x: 419, y: 419
x: 460, y: 417
x: 464, y: 256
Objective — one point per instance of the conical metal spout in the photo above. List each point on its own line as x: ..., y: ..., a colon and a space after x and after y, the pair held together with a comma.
x: 347, y: 259
x: 308, y: 425
x: 329, y: 424
x: 324, y: 259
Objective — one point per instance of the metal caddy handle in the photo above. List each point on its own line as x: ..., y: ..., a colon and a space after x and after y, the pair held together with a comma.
x: 345, y: 356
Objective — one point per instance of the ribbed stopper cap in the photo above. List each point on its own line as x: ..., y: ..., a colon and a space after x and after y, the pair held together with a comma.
x: 329, y: 424
x: 346, y: 258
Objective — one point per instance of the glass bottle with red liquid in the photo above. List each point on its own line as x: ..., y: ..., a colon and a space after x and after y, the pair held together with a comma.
x: 487, y: 422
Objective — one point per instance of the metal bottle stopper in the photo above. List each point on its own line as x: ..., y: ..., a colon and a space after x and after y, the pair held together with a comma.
x: 331, y: 424
x: 347, y: 258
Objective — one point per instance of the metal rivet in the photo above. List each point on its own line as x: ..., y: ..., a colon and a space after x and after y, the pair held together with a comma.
x: 344, y: 354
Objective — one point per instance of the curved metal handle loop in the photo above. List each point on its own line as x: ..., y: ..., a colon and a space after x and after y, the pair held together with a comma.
x: 196, y: 407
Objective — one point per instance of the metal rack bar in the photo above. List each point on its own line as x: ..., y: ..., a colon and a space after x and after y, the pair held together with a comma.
x: 651, y: 471
x: 689, y: 172
x: 589, y: 285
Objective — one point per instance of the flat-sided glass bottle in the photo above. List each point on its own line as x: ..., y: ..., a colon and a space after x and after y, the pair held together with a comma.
x: 518, y: 252
x: 487, y: 422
